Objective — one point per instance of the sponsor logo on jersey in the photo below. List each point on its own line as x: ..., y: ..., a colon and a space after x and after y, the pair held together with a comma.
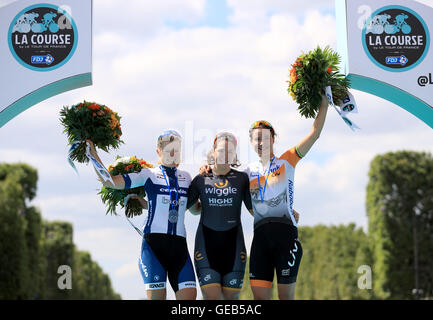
x: 291, y: 264
x: 243, y: 256
x: 181, y: 191
x: 156, y: 285
x: 144, y: 268
x: 233, y: 282
x: 187, y: 285
x: 166, y: 200
x: 285, y: 272
x: 198, y: 256
x: 220, y: 202
x: 207, y: 277
x: 221, y: 184
x: 221, y: 192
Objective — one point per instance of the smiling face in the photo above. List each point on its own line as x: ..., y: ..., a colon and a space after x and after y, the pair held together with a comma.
x: 169, y: 151
x: 262, y: 142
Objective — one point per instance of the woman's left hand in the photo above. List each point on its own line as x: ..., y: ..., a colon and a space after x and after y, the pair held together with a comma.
x: 296, y: 214
x: 143, y: 202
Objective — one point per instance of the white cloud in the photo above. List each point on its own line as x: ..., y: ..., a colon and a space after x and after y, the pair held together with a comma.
x: 137, y: 19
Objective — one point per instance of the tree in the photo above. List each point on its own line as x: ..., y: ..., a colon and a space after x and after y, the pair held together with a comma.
x: 400, y: 212
x: 32, y: 250
x: 330, y: 262
x: 17, y: 187
x: 59, y: 251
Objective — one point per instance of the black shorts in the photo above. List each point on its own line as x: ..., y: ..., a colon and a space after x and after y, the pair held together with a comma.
x: 275, y: 247
x: 165, y: 255
x: 220, y: 257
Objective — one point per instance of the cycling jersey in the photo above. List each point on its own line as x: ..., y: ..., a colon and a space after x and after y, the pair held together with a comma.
x: 159, y: 219
x: 278, y: 195
x: 221, y: 198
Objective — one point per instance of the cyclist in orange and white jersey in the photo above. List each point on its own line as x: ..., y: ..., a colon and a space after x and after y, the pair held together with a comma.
x: 275, y: 243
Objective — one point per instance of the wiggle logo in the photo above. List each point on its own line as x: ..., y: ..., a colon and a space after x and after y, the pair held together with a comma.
x: 221, y: 185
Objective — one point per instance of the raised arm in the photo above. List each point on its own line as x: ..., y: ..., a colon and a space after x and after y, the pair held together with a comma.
x: 119, y: 182
x: 305, y: 145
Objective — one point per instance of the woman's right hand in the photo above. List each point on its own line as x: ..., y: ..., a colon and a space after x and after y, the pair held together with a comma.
x: 205, y: 170
x: 92, y: 147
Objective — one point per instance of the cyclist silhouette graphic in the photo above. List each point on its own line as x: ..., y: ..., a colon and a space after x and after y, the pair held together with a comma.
x: 47, y: 23
x: 380, y: 24
x: 25, y: 22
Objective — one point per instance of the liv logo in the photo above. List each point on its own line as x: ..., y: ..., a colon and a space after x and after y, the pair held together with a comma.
x: 42, y: 37
x: 396, y: 38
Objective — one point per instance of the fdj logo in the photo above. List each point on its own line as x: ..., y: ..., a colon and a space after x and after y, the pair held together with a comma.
x: 42, y: 37
x: 397, y: 60
x: 396, y: 38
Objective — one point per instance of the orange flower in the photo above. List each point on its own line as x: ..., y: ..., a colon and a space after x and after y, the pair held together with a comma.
x: 94, y: 107
x: 329, y: 69
x: 293, y: 76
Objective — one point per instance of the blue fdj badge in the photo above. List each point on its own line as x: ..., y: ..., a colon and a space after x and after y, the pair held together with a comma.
x: 397, y: 60
x: 43, y: 37
x: 48, y: 59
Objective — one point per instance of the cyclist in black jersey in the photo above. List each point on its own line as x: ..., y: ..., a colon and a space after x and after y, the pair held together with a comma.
x: 219, y: 253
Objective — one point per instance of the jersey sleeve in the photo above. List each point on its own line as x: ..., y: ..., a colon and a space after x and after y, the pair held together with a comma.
x: 246, y: 193
x: 136, y: 179
x: 291, y: 156
x: 193, y: 192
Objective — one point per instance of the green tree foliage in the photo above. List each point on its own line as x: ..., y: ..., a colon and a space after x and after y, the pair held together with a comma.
x: 35, y: 252
x: 331, y: 259
x: 89, y: 280
x: 32, y: 250
x: 17, y: 186
x: 329, y: 266
x: 59, y: 251
x: 399, y: 203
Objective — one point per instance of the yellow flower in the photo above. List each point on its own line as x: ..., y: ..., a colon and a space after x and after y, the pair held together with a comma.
x: 293, y: 95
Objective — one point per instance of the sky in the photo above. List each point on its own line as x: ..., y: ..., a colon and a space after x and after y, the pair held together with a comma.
x: 202, y: 66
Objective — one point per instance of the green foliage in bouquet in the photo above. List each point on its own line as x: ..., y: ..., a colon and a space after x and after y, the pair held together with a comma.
x: 112, y: 197
x: 311, y: 74
x: 89, y: 120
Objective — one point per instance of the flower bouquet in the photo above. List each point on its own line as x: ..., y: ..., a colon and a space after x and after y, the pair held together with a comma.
x: 311, y: 74
x: 89, y: 120
x: 112, y: 197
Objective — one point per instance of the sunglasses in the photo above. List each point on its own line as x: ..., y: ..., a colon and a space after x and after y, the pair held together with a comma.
x: 260, y: 123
